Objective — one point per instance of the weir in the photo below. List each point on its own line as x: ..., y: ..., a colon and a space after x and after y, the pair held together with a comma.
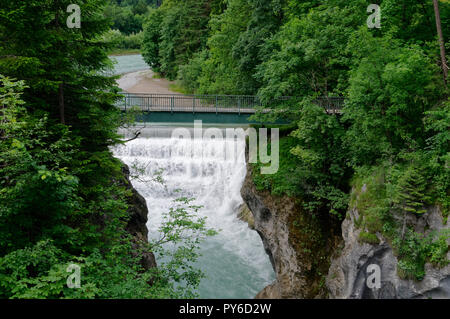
x: 234, y: 261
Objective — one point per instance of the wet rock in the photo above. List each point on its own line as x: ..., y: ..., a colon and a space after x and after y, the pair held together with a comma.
x: 347, y: 277
x: 246, y: 215
x: 137, y: 208
x: 273, y: 220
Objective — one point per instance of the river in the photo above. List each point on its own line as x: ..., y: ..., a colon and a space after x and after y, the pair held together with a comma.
x: 234, y: 261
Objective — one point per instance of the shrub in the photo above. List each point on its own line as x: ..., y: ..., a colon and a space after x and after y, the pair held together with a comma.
x: 368, y: 238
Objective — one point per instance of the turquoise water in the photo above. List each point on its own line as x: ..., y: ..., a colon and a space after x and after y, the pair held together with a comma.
x: 128, y: 63
x: 234, y: 261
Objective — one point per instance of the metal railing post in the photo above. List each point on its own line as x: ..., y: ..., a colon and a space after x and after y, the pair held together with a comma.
x: 216, y: 104
x: 193, y: 105
x: 239, y: 105
x: 171, y: 104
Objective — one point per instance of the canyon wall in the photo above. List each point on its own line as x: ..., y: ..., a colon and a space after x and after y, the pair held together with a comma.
x: 348, y: 274
x: 313, y: 259
x: 137, y: 208
x: 296, y: 243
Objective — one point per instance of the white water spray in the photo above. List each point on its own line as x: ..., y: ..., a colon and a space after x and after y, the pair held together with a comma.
x: 234, y: 261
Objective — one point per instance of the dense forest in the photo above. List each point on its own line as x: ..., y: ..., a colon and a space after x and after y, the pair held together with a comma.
x: 393, y: 135
x: 63, y: 198
x: 127, y: 19
x: 62, y: 194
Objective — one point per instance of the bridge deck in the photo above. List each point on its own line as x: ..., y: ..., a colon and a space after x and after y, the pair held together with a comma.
x: 237, y: 104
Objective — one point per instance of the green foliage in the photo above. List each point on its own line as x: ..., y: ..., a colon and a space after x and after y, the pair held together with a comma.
x: 438, y: 250
x: 117, y: 40
x: 284, y: 181
x: 36, y: 192
x: 376, y: 197
x: 309, y: 55
x: 127, y: 17
x: 50, y: 219
x: 368, y: 238
x: 437, y: 127
x: 410, y: 194
x: 177, y: 248
x: 219, y: 70
x: 173, y: 33
x: 249, y: 51
x: 306, y: 169
x: 235, y: 44
x: 152, y: 39
x: 389, y: 92
x: 416, y: 249
x: 189, y: 73
x: 324, y: 177
x: 56, y: 61
x: 413, y: 21
x: 369, y: 197
x: 62, y: 195
x: 61, y: 200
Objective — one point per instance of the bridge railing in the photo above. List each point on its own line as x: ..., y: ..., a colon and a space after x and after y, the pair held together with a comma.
x: 208, y: 103
x: 190, y: 103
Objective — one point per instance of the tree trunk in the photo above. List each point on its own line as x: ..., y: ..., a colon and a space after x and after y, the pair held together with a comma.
x: 441, y: 39
x: 61, y: 103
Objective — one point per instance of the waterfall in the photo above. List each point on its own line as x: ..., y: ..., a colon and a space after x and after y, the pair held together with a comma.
x: 234, y: 261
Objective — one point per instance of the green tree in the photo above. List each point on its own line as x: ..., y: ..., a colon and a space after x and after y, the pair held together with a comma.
x: 152, y: 39
x: 50, y: 219
x: 220, y: 72
x: 390, y: 89
x: 62, y: 194
x: 324, y: 178
x: 235, y: 48
x: 181, y: 32
x: 309, y: 54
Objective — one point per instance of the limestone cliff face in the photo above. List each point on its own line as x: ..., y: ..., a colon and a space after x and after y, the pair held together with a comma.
x: 347, y: 277
x: 138, y: 219
x: 297, y: 262
x: 302, y: 249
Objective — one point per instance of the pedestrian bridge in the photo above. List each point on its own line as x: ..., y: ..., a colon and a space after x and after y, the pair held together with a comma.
x: 245, y: 104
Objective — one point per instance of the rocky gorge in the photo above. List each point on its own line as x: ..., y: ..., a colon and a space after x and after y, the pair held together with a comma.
x: 318, y: 258
x: 315, y: 257
x: 138, y: 212
x: 348, y: 272
x: 297, y: 243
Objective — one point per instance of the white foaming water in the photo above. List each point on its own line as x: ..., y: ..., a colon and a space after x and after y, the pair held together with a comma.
x: 234, y: 261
